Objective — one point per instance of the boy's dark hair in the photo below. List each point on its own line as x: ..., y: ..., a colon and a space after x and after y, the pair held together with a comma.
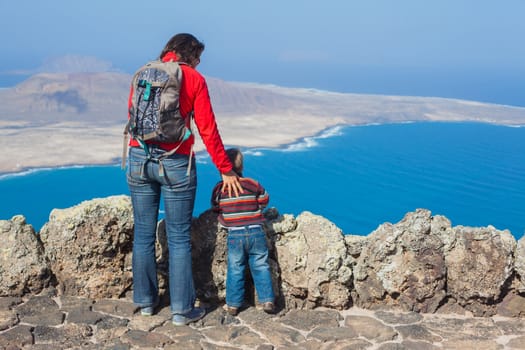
x: 236, y: 158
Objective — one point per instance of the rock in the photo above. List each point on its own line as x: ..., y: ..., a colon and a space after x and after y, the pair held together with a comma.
x: 23, y: 267
x: 399, y: 317
x: 370, y: 328
x: 513, y: 305
x: 355, y: 245
x: 138, y: 339
x: 40, y: 310
x: 314, y: 264
x: 418, y: 333
x: 480, y: 262
x: 516, y: 343
x: 209, y: 257
x: 460, y: 329
x: 17, y: 337
x: 519, y: 264
x: 8, y: 319
x: 280, y: 223
x: 70, y: 335
x: 238, y: 336
x: 89, y: 247
x: 403, y: 265
x: 281, y: 337
x: 306, y: 320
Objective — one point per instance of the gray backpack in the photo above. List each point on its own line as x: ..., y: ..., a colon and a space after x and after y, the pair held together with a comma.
x: 154, y: 114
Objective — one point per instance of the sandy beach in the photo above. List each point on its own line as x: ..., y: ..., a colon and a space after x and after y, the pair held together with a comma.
x: 68, y: 144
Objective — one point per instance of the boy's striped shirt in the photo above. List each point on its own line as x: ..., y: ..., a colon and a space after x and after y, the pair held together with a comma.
x: 243, y: 210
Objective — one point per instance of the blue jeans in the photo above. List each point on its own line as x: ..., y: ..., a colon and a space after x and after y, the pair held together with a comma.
x: 248, y: 246
x: 178, y: 191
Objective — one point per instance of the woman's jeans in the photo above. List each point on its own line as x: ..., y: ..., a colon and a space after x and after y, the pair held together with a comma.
x: 178, y: 191
x: 247, y: 245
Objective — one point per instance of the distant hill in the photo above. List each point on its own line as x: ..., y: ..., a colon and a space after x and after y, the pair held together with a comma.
x: 53, y: 97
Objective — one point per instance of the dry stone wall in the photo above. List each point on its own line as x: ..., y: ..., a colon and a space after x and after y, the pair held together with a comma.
x: 420, y: 264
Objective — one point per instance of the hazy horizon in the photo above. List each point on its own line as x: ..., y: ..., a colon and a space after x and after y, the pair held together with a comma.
x: 457, y: 49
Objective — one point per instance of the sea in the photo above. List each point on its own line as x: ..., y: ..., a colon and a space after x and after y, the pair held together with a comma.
x: 358, y: 177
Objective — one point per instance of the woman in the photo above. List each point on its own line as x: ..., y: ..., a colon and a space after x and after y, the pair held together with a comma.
x: 177, y: 186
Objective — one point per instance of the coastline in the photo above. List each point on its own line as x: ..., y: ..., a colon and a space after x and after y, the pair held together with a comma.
x: 360, y: 140
x: 290, y: 142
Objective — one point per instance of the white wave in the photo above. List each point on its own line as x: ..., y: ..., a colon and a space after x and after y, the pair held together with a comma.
x: 24, y: 173
x: 330, y: 132
x: 33, y: 171
x: 311, y: 141
x: 305, y: 143
x: 370, y: 124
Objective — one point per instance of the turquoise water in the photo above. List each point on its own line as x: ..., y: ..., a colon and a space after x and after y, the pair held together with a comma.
x: 357, y: 177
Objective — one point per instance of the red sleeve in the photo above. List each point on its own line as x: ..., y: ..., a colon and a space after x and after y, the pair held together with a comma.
x: 195, y: 84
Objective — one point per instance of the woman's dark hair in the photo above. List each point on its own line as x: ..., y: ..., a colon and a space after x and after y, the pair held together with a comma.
x: 185, y: 45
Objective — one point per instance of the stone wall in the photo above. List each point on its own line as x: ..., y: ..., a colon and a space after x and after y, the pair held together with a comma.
x: 420, y: 264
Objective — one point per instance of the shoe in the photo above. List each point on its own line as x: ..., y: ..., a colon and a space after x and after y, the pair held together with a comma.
x: 232, y: 310
x: 194, y: 315
x: 268, y: 307
x: 148, y: 310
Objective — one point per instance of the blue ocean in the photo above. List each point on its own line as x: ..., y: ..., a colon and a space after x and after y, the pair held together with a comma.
x: 358, y: 177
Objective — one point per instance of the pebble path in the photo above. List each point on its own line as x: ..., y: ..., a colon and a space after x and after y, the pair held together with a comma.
x: 51, y: 322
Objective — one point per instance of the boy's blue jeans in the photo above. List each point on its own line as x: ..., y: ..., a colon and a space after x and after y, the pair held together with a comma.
x: 178, y: 190
x: 247, y: 246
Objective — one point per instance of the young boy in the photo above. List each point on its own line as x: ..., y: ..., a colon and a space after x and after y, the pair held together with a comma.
x: 243, y: 217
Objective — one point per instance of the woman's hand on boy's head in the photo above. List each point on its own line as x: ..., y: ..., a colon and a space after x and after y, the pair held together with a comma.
x: 230, y: 182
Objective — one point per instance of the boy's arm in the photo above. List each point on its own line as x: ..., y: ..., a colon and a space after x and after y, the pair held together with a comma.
x: 263, y: 198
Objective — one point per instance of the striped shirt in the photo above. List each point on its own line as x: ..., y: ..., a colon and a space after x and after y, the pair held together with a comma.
x: 247, y: 209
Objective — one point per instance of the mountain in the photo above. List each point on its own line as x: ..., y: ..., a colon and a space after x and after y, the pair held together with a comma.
x: 53, y: 97
x: 81, y: 96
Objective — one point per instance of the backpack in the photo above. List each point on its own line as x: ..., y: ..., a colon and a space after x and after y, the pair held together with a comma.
x: 154, y: 114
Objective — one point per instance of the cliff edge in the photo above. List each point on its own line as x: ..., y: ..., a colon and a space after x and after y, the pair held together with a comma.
x: 420, y: 264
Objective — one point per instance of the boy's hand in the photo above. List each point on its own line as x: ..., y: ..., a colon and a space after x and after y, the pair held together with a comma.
x: 230, y: 181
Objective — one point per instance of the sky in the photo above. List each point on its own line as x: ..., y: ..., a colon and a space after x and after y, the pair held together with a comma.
x: 470, y: 49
